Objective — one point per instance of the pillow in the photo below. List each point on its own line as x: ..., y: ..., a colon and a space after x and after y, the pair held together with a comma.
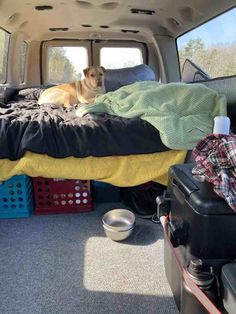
x: 116, y: 78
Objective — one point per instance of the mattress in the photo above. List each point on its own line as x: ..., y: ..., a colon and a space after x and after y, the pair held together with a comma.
x: 51, y: 141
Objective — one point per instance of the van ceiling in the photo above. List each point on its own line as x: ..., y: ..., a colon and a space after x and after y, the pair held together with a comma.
x: 99, y: 18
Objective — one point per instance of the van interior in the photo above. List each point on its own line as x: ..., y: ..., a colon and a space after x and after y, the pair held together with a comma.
x: 123, y: 204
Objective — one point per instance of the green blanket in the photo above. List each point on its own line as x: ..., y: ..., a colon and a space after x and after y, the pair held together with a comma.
x: 183, y: 113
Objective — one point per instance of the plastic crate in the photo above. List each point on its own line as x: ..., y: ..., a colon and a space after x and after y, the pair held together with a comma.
x: 59, y: 196
x: 16, y: 197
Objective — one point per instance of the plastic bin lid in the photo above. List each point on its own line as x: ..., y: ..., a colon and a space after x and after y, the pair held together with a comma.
x: 200, y: 195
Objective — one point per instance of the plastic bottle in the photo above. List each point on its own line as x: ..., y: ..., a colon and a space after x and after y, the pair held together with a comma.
x: 221, y: 125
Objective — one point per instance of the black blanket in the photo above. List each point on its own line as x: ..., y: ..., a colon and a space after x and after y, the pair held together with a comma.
x: 58, y: 132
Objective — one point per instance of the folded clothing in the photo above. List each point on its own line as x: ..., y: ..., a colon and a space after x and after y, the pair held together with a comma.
x: 216, y: 162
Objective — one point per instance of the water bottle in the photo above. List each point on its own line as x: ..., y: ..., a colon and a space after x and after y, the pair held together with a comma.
x: 221, y: 125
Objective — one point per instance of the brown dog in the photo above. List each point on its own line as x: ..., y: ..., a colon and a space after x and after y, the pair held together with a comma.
x: 80, y: 92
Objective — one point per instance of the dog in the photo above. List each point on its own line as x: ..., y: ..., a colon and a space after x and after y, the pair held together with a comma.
x: 80, y: 92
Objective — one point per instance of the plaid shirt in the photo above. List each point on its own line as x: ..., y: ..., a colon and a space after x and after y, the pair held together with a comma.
x: 216, y: 161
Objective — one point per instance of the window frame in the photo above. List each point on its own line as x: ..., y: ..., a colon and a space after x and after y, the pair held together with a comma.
x: 191, y: 29
x: 45, y: 45
x: 7, y: 55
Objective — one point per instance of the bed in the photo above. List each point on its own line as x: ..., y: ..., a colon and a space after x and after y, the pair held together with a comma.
x: 53, y: 142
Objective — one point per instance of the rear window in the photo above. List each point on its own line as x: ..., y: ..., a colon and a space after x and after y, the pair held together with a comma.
x: 66, y: 64
x: 116, y: 57
x: 212, y: 46
x: 4, y: 43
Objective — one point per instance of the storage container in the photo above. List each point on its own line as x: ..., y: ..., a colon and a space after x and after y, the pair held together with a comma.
x: 228, y: 277
x: 57, y: 196
x: 201, y: 227
x: 203, y: 220
x: 16, y: 197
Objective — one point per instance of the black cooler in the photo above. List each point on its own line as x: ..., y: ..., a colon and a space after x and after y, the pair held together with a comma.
x: 201, y: 232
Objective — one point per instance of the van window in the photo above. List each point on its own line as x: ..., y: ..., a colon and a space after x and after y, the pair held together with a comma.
x: 23, y: 53
x: 212, y: 46
x: 4, y: 43
x: 117, y: 57
x: 66, y: 64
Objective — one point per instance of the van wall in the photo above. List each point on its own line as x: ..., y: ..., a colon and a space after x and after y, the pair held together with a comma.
x: 161, y: 57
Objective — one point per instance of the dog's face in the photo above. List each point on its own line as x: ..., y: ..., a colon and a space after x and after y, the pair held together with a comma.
x: 94, y: 76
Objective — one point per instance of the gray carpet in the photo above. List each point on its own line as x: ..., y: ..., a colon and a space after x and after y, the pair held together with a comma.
x: 65, y: 264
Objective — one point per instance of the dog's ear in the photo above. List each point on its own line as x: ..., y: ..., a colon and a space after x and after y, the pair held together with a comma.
x: 104, y: 70
x: 86, y: 71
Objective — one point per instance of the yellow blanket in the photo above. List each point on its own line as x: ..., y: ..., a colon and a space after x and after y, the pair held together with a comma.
x: 118, y: 170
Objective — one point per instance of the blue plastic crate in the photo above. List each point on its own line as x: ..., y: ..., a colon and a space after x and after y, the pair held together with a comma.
x: 16, y: 197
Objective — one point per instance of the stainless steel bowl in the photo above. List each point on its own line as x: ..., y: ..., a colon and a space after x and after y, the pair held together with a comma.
x: 119, y: 219
x: 117, y: 235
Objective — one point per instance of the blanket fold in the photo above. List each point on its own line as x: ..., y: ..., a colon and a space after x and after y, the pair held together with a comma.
x: 177, y: 110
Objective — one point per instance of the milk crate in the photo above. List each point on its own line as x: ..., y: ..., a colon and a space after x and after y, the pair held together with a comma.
x: 16, y: 197
x: 59, y: 196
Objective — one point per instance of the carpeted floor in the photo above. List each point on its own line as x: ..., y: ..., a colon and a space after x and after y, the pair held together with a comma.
x: 65, y: 264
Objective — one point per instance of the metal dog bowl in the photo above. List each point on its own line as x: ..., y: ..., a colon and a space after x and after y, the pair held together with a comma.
x: 119, y: 219
x: 118, y: 224
x: 117, y: 235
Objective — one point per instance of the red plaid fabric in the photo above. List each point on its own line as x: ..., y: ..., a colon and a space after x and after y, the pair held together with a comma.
x: 216, y: 161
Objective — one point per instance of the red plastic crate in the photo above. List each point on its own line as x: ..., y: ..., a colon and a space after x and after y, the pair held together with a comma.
x: 59, y: 196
